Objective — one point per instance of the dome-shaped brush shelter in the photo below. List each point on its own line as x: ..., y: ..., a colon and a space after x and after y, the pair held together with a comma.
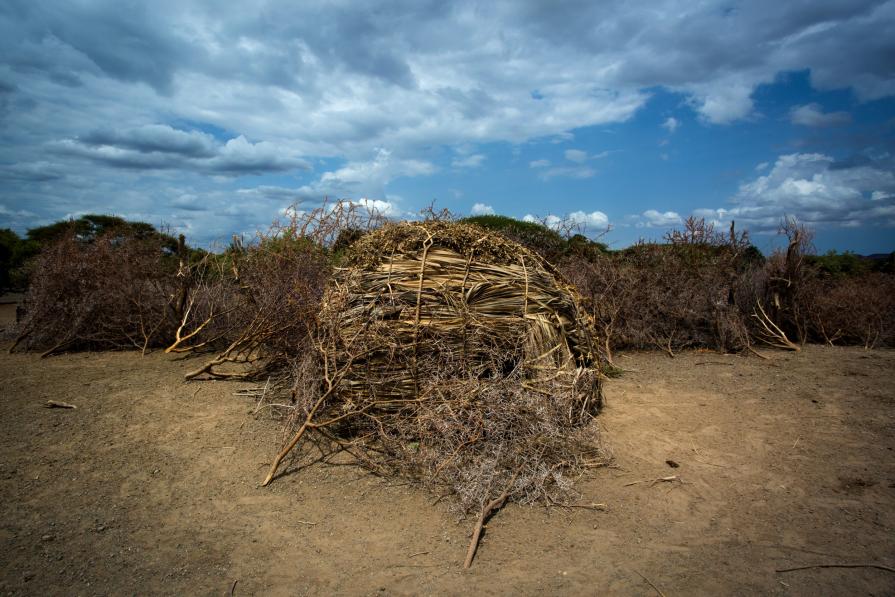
x: 455, y: 358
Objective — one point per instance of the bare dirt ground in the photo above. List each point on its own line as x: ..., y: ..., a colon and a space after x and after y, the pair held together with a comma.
x: 7, y: 313
x: 151, y: 486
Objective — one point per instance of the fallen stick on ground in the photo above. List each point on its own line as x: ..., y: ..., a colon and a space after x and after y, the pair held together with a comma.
x: 487, y: 511
x: 699, y: 459
x: 593, y: 506
x: 305, y: 426
x: 877, y: 566
x: 654, y: 481
x: 56, y: 404
x: 758, y: 354
x: 655, y: 588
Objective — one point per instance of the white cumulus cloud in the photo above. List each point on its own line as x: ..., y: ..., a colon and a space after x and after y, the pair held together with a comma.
x: 595, y: 221
x: 379, y: 207
x: 724, y: 100
x: 671, y: 124
x: 655, y: 219
x: 816, y: 189
x: 480, y: 209
x: 367, y: 177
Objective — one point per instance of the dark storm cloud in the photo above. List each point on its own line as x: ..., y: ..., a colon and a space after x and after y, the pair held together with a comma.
x: 700, y: 49
x: 114, y: 157
x: 151, y: 42
x: 160, y: 147
x: 127, y: 41
x: 693, y: 40
x: 368, y: 39
x: 32, y: 172
x: 716, y: 53
x: 271, y: 193
x: 155, y: 138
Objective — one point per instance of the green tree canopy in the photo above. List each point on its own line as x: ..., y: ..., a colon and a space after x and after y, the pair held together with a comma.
x: 90, y: 226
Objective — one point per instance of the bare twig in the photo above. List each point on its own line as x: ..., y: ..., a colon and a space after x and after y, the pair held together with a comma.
x: 698, y: 457
x: 592, y: 506
x: 308, y: 424
x: 654, y: 481
x: 772, y: 334
x: 756, y: 353
x: 655, y: 588
x: 57, y: 404
x: 487, y: 511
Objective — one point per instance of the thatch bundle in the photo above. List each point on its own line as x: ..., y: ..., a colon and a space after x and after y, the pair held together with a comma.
x: 437, y: 300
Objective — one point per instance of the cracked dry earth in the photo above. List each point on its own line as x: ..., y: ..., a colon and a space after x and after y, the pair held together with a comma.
x: 151, y: 486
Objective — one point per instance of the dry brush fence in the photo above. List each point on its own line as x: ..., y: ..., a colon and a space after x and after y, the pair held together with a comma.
x: 115, y: 292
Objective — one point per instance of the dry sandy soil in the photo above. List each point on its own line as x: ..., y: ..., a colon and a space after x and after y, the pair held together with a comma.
x: 151, y: 486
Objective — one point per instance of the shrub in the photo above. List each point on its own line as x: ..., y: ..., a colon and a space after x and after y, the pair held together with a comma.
x: 857, y: 309
x: 683, y: 293
x: 260, y: 302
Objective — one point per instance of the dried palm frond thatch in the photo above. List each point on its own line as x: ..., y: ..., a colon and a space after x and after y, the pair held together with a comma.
x: 413, y: 290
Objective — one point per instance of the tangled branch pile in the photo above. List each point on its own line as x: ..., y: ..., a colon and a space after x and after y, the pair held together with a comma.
x: 690, y: 292
x: 114, y: 292
x: 456, y: 358
x: 257, y: 305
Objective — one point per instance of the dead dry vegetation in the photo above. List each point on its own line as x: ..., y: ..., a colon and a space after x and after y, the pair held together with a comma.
x: 439, y: 352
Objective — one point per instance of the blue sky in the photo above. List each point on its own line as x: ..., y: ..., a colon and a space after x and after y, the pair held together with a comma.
x: 213, y: 119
